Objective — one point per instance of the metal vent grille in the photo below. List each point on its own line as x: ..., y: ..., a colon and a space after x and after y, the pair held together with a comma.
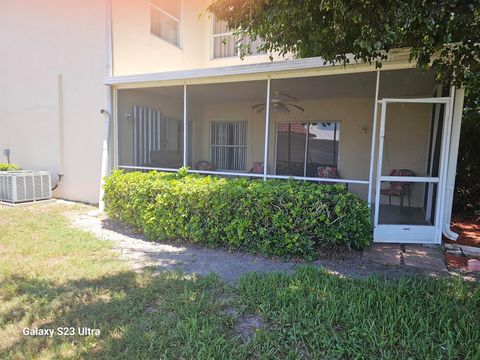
x: 23, y: 186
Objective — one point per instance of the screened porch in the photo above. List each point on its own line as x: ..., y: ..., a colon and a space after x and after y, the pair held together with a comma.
x: 323, y: 129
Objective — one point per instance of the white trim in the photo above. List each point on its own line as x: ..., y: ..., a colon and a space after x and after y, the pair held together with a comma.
x: 229, y: 146
x: 447, y: 127
x: 305, y: 154
x: 225, y: 173
x: 400, y: 60
x: 379, y: 164
x: 416, y: 179
x: 433, y: 134
x: 185, y: 127
x: 267, y: 130
x: 147, y: 168
x: 452, y: 162
x: 116, y: 136
x: 374, y: 139
x: 406, y: 234
x: 433, y: 100
x: 247, y: 174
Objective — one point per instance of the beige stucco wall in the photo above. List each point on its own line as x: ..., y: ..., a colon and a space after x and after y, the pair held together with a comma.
x: 169, y: 106
x: 137, y: 51
x: 40, y: 41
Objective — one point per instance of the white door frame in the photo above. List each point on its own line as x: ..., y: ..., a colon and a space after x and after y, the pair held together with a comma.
x: 423, y: 234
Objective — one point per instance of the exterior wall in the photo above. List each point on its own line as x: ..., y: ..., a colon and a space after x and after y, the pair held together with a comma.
x: 42, y: 40
x: 406, y: 136
x: 137, y: 51
x: 171, y: 107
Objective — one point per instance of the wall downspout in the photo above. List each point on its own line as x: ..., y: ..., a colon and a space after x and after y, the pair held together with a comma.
x: 452, y: 163
x: 106, y: 164
x: 61, y: 132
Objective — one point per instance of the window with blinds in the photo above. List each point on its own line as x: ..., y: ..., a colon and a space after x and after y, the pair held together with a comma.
x: 229, y: 145
x: 165, y: 20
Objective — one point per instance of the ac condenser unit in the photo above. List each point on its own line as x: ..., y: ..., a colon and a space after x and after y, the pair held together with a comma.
x: 23, y: 186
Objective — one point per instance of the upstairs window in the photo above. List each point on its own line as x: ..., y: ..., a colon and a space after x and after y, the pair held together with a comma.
x: 225, y: 42
x: 165, y: 20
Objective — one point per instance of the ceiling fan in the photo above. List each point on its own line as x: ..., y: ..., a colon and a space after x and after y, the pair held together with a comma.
x: 279, y: 102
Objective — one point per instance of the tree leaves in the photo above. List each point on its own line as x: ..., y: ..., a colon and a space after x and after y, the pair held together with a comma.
x: 444, y: 34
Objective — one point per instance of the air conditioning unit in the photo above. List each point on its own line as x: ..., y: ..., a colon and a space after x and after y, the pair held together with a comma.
x: 24, y: 186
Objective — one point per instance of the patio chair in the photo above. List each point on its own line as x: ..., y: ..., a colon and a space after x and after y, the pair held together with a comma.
x: 257, y: 168
x: 329, y: 172
x: 399, y: 189
x: 205, y: 166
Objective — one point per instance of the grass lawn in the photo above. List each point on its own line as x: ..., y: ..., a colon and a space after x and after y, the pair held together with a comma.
x: 53, y: 276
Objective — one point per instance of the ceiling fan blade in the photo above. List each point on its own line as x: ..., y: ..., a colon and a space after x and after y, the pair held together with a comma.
x: 296, y: 106
x: 292, y: 98
x: 258, y: 105
x: 284, y: 108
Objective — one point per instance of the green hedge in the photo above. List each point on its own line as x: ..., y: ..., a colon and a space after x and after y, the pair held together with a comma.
x: 7, y: 167
x: 273, y: 217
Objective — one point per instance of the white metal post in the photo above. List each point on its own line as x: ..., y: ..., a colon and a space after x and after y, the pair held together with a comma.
x: 452, y: 162
x: 374, y: 138
x: 379, y: 162
x: 306, y: 151
x: 105, y: 156
x: 267, y: 130
x: 447, y: 128
x: 106, y: 145
x: 112, y: 104
x: 185, y: 121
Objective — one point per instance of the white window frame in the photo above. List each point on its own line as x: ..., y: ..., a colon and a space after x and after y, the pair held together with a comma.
x: 211, y: 146
x: 230, y: 33
x: 219, y: 35
x: 174, y: 18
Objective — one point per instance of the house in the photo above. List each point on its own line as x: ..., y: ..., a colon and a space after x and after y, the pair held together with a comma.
x: 174, y: 92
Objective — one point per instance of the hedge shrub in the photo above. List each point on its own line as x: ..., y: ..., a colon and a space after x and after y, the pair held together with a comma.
x: 8, y: 167
x: 273, y: 217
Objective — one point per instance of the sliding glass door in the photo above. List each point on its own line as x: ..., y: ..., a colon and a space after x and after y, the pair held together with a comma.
x: 301, y: 148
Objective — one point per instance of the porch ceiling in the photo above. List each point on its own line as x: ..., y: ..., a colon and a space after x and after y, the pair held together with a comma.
x: 393, y: 83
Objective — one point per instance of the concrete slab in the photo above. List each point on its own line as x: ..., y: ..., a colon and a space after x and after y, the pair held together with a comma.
x: 387, y: 254
x: 421, y: 257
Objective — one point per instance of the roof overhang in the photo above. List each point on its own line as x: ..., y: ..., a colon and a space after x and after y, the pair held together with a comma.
x: 398, y: 59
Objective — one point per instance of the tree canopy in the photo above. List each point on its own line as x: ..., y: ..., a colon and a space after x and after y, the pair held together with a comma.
x: 444, y: 33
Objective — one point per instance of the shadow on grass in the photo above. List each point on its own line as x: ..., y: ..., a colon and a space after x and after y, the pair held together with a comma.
x: 138, y: 315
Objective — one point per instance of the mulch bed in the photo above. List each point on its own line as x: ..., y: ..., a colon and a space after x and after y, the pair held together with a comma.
x: 468, y: 231
x: 456, y: 261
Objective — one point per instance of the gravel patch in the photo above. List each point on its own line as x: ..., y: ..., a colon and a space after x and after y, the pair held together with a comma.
x: 229, y: 266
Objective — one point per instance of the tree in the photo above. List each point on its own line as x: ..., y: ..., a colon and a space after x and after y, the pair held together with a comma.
x: 467, y: 184
x: 444, y: 34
